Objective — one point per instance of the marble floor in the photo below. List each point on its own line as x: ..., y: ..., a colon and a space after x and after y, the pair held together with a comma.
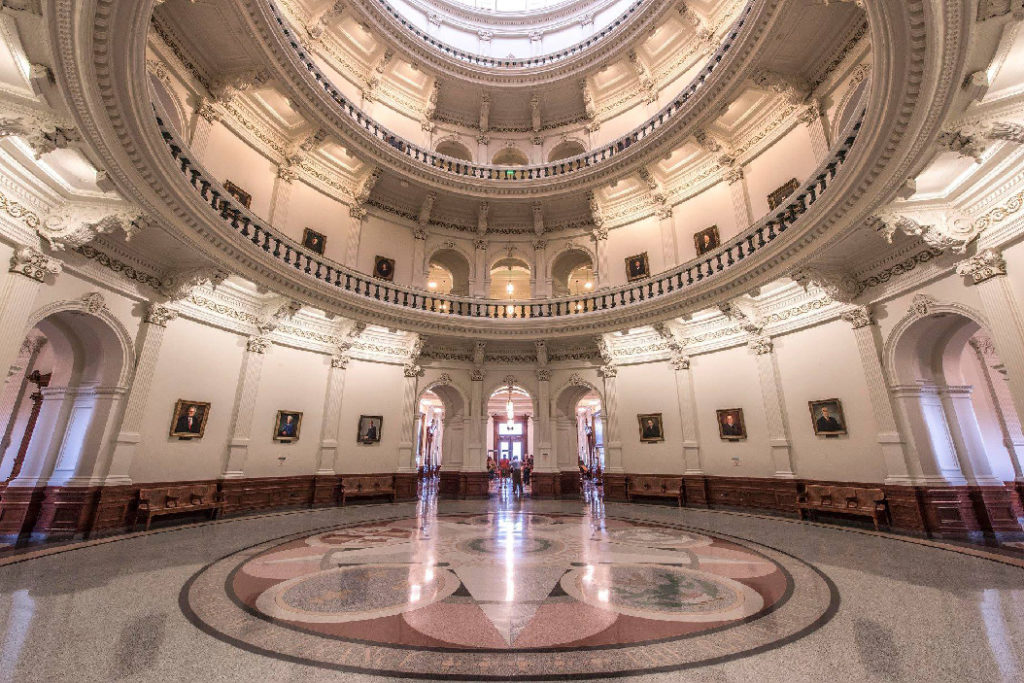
x: 511, y: 589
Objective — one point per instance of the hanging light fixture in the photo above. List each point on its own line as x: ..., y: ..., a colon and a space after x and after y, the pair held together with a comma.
x: 510, y: 409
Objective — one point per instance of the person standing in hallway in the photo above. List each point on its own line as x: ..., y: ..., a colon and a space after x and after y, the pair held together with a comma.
x: 517, y: 477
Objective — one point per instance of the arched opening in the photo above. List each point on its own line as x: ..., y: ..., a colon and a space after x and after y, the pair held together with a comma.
x: 454, y: 149
x: 572, y: 272
x: 579, y: 431
x: 510, y: 156
x: 60, y: 408
x: 429, y: 433
x: 510, y: 439
x: 438, y: 438
x: 565, y: 150
x: 448, y: 273
x: 958, y: 410
x: 510, y: 279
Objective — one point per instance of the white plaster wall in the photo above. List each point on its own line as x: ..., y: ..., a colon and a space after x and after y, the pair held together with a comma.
x: 371, y: 389
x: 228, y: 157
x: 644, y: 235
x: 644, y: 389
x: 820, y: 363
x: 309, y: 208
x: 711, y: 207
x: 292, y: 380
x: 728, y: 379
x: 790, y: 157
x: 380, y: 238
x: 198, y: 363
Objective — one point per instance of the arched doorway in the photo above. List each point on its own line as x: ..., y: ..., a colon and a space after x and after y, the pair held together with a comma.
x: 439, y: 434
x: 579, y: 428
x: 510, y: 437
x: 590, y: 435
x: 62, y: 410
x: 429, y: 434
x: 565, y: 150
x: 963, y: 428
x: 454, y: 149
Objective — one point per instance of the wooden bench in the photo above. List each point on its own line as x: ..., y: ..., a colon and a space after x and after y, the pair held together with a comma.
x: 848, y: 500
x: 660, y: 487
x: 169, y: 500
x: 365, y: 486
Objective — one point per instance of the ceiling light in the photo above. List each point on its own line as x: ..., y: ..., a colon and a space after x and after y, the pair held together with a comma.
x: 432, y: 285
x: 588, y: 285
x: 509, y: 288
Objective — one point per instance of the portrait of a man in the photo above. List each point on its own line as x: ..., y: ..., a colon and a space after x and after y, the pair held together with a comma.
x: 637, y: 267
x: 314, y: 241
x: 370, y: 428
x: 189, y: 419
x: 384, y: 268
x: 287, y: 426
x: 827, y: 417
x: 651, y: 429
x: 243, y: 197
x: 730, y: 424
x: 707, y: 240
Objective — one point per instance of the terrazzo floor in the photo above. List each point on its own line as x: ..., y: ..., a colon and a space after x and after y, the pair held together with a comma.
x: 511, y: 589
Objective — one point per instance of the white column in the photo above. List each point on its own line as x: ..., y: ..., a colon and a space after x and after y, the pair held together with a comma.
x: 406, y: 456
x: 566, y: 457
x: 281, y: 196
x: 936, y: 462
x: 999, y: 394
x: 88, y: 438
x: 987, y: 271
x: 202, y: 125
x: 478, y: 278
x: 817, y: 128
x: 327, y: 455
x: 29, y: 269
x: 688, y: 415
x: 148, y: 344
x: 355, y: 229
x: 774, y: 406
x: 543, y: 277
x: 476, y: 450
x: 601, y: 271
x: 542, y: 425
x: 420, y: 268
x: 245, y: 403
x: 894, y: 448
x: 966, y: 433
x: 669, y: 249
x: 740, y: 195
x: 612, y: 442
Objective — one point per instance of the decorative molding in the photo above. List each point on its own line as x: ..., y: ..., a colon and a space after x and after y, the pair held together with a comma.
x: 983, y: 266
x: 34, y: 264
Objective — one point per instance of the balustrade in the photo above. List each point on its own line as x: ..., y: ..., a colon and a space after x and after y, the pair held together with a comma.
x: 459, y: 167
x: 278, y: 246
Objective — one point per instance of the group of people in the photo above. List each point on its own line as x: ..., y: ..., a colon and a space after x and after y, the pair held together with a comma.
x: 516, y: 470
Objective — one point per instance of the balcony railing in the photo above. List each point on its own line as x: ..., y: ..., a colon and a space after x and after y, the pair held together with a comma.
x: 459, y: 167
x: 512, y: 63
x: 274, y: 244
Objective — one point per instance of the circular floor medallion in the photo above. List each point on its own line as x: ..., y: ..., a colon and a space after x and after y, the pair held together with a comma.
x: 507, y: 596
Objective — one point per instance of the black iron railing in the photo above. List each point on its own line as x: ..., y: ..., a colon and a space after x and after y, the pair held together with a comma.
x: 511, y: 62
x: 276, y: 245
x: 518, y: 173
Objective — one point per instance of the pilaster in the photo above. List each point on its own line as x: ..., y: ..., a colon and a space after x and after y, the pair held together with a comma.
x: 29, y: 269
x: 774, y: 406
x: 687, y: 415
x: 148, y: 345
x: 740, y: 196
x: 245, y: 403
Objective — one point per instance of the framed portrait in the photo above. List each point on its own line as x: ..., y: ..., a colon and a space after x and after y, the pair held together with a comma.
x: 707, y: 240
x: 314, y: 241
x: 730, y: 424
x: 827, y: 417
x: 651, y: 429
x: 370, y: 427
x: 243, y: 197
x: 287, y: 425
x: 637, y: 267
x: 189, y: 419
x: 384, y: 268
x: 778, y: 196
